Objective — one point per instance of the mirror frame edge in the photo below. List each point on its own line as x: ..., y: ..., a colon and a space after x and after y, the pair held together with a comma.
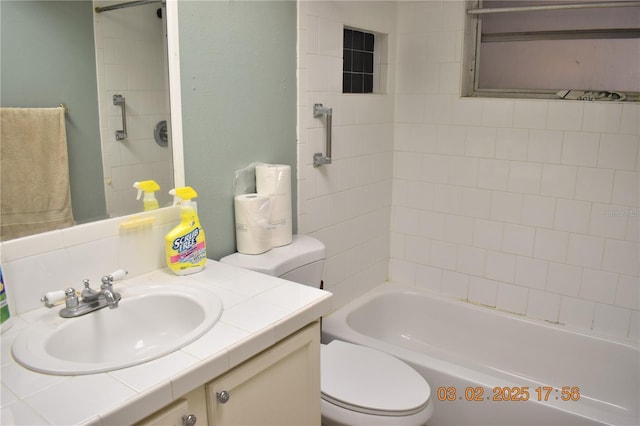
x: 175, y: 94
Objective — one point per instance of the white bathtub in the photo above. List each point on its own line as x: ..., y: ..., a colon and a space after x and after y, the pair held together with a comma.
x: 482, y: 354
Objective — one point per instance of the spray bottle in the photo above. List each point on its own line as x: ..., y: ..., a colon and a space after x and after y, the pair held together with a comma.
x: 5, y: 315
x: 185, y: 244
x: 148, y: 187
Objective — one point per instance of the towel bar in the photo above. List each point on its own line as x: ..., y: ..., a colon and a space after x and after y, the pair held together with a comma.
x: 121, y: 134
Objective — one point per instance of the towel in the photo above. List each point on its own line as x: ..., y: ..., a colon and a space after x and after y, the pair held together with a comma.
x: 34, y: 172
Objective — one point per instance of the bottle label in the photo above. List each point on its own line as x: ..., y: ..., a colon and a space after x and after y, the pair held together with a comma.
x: 188, y: 249
x: 186, y: 242
x: 4, y: 304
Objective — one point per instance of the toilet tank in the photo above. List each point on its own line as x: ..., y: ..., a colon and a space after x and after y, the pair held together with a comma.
x: 301, y: 261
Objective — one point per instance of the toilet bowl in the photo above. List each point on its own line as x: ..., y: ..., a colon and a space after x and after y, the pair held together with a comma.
x: 359, y: 385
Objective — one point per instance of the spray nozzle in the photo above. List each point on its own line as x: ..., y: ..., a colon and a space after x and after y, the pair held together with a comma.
x: 183, y: 195
x: 146, y: 186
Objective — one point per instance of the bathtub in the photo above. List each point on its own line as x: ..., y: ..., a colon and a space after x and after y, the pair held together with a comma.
x: 487, y: 367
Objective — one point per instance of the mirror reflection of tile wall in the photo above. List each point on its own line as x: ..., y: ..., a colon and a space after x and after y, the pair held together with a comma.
x: 131, y: 61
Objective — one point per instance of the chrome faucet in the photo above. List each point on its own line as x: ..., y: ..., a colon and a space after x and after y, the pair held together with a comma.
x: 90, y: 300
x: 106, y: 288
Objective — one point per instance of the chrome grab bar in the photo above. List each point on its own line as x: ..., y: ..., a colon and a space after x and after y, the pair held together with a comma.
x: 318, y: 158
x: 121, y: 134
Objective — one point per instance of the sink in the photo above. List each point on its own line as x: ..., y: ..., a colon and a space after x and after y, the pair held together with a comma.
x: 151, y: 321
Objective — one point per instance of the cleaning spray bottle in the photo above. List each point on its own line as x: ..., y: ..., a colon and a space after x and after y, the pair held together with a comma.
x: 186, y: 250
x: 148, y: 187
x: 5, y: 315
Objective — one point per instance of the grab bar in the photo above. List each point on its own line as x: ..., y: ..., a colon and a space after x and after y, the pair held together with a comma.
x: 125, y: 5
x: 121, y: 134
x: 318, y: 158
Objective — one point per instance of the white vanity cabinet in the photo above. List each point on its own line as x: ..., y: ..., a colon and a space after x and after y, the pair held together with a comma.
x: 279, y: 386
x: 190, y: 410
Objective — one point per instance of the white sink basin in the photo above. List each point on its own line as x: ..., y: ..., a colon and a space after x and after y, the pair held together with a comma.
x: 151, y: 321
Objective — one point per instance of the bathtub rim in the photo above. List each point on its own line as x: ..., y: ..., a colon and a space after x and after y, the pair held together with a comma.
x: 341, y: 313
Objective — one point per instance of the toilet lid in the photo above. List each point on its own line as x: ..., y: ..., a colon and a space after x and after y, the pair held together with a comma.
x: 370, y: 381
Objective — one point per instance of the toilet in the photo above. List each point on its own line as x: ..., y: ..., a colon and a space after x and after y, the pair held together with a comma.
x: 359, y: 385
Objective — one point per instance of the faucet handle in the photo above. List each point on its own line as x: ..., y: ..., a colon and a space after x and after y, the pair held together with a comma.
x: 71, y: 300
x: 106, y: 284
x: 87, y: 292
x: 116, y: 275
x: 52, y: 297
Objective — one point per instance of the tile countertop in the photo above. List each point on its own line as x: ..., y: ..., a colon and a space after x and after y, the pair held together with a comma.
x: 259, y: 310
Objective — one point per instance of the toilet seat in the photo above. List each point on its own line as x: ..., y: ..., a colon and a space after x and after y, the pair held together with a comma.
x: 369, y: 381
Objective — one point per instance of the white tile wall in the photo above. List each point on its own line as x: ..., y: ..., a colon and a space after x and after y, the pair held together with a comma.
x: 347, y: 204
x: 530, y: 206
x: 549, y: 192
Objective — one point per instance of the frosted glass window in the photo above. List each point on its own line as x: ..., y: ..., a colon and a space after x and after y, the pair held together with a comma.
x: 538, y: 53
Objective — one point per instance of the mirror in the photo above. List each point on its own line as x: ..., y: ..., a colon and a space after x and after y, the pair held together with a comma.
x: 64, y: 52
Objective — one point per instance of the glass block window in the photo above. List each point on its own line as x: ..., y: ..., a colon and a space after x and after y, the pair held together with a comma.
x: 357, y: 69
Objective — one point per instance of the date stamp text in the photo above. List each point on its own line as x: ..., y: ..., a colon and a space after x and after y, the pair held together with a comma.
x: 509, y: 393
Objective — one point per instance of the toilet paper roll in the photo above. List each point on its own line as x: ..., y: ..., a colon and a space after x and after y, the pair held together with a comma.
x: 280, y: 220
x: 253, y: 231
x: 273, y: 179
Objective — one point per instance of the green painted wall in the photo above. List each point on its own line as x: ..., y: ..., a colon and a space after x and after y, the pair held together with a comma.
x: 238, y: 72
x: 48, y: 58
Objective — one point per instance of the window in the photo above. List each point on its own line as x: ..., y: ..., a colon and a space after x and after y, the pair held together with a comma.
x: 577, y: 49
x: 358, y: 61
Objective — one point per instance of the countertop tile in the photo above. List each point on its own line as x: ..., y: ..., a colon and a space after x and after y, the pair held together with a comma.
x: 251, y: 283
x: 24, y: 382
x: 254, y: 315
x: 100, y: 392
x: 7, y: 340
x: 218, y: 273
x: 140, y: 406
x: 218, y: 339
x: 19, y: 413
x: 7, y: 397
x: 291, y: 324
x: 194, y: 376
x: 289, y: 295
x: 145, y: 376
x: 259, y: 341
x: 229, y: 298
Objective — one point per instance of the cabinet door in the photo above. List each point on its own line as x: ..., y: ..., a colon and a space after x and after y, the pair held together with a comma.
x: 280, y: 386
x: 175, y: 414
